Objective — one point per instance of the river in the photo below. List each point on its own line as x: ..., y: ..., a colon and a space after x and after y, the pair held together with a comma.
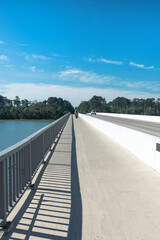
x: 12, y: 132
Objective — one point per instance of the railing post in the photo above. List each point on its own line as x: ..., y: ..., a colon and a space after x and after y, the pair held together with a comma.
x: 3, y: 199
x: 10, y: 182
x: 14, y: 179
x: 50, y: 141
x: 17, y: 175
x: 12, y: 163
x: 43, y: 148
x: 30, y: 163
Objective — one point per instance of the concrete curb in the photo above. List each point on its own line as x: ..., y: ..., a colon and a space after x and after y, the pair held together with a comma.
x: 144, y: 146
x: 132, y: 116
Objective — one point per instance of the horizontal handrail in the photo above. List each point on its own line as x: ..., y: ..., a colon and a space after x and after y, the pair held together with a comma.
x: 19, y: 163
x: 18, y: 145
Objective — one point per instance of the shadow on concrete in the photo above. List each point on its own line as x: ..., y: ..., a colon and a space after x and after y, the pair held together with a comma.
x: 75, y: 227
x: 53, y: 209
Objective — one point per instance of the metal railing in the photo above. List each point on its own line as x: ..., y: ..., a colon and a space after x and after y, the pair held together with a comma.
x: 19, y: 163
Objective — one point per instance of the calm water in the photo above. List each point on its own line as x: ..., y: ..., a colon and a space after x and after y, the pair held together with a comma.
x: 12, y: 132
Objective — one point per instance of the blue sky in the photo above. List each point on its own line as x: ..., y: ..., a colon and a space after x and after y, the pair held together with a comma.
x: 77, y: 49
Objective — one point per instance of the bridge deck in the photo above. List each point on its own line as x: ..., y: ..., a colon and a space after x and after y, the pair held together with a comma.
x: 120, y: 194
x: 90, y: 188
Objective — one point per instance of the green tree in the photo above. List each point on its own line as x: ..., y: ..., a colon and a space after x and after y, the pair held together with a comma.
x: 157, y: 110
x: 25, y: 103
x: 97, y: 103
x: 120, y: 105
x: 17, y: 101
x: 84, y: 107
x: 2, y: 102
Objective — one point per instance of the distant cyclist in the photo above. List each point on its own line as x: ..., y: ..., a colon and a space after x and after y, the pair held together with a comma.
x: 76, y: 113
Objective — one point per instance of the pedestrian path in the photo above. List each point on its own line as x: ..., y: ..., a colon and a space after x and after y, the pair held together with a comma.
x: 90, y: 188
x: 120, y: 194
x: 47, y: 211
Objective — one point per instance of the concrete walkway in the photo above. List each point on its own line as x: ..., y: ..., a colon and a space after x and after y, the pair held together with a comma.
x: 90, y: 188
x: 120, y: 194
x: 49, y: 211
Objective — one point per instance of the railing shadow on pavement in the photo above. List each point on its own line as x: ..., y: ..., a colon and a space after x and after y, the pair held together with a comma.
x: 53, y: 209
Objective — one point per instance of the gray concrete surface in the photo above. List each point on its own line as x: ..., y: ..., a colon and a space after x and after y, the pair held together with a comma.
x: 143, y: 126
x: 90, y: 188
x: 52, y: 210
x: 120, y: 194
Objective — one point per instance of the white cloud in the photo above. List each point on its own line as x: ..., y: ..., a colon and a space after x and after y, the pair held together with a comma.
x: 73, y: 76
x: 110, y: 61
x: 27, y: 57
x: 55, y: 55
x: 85, y: 77
x: 140, y: 85
x: 74, y: 95
x: 41, y: 57
x: 119, y: 63
x: 4, y: 58
x: 140, y: 65
x: 33, y: 68
x: 1, y: 42
x: 90, y: 59
x: 22, y: 44
x: 11, y: 66
x: 70, y: 72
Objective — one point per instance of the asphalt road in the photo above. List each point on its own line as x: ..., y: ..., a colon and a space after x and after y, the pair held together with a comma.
x: 143, y: 126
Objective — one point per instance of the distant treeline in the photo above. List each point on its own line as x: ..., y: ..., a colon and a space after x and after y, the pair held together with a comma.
x: 52, y: 108
x: 140, y: 106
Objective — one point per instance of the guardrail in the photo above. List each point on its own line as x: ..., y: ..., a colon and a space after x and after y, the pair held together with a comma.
x: 133, y: 116
x: 144, y: 146
x: 19, y: 163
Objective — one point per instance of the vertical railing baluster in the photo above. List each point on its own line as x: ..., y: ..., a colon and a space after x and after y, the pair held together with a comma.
x: 18, y: 166
x: 20, y: 171
x: 10, y: 182
x: 23, y: 169
x: 7, y: 182
x: 27, y: 163
x: 30, y: 161
x: 17, y: 174
x: 3, y: 199
x: 14, y: 179
x: 50, y: 138
x: 43, y: 147
x: 26, y: 158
